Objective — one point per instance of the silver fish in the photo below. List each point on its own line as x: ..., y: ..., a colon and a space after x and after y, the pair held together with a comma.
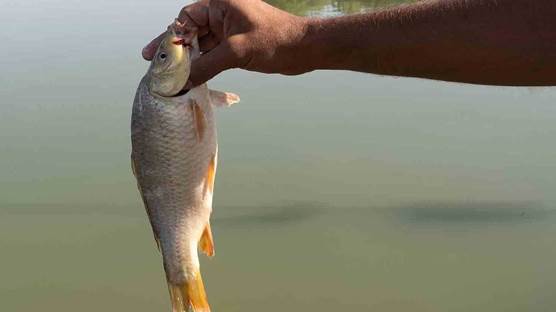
x: 174, y: 157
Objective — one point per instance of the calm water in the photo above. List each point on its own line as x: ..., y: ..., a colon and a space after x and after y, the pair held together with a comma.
x: 336, y: 191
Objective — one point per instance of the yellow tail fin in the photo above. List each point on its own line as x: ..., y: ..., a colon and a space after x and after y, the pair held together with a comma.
x: 190, y: 294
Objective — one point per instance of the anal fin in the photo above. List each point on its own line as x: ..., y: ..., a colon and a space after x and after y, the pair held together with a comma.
x: 206, y: 243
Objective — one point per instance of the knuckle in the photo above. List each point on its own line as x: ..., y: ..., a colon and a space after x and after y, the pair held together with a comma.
x: 239, y: 47
x: 218, y: 3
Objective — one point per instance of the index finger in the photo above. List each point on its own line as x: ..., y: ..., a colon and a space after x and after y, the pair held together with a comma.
x: 196, y: 15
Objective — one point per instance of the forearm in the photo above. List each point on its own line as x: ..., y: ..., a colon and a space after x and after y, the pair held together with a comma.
x: 498, y: 42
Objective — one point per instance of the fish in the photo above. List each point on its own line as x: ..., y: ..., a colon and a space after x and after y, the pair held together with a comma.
x: 174, y: 158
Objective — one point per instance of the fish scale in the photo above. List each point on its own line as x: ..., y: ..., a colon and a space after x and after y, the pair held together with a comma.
x: 174, y: 155
x: 166, y: 144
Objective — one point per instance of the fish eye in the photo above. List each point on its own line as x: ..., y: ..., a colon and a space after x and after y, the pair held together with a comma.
x: 162, y: 55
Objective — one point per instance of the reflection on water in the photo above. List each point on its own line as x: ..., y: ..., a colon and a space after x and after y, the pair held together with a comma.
x: 336, y: 191
x: 264, y: 216
x: 435, y: 213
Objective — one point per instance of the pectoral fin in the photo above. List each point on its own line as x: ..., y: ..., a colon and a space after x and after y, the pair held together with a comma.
x: 199, y: 119
x: 223, y: 99
x: 206, y: 243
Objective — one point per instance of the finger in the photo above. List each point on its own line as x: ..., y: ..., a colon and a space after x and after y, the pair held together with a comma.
x: 207, y: 42
x: 216, y: 15
x: 150, y: 49
x: 196, y: 14
x: 211, y: 64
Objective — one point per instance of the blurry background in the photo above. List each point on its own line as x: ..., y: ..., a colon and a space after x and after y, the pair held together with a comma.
x: 336, y: 191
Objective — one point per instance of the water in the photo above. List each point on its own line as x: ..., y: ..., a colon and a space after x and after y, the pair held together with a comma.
x: 336, y: 191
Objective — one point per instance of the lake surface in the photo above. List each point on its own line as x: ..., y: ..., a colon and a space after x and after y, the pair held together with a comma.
x: 336, y: 191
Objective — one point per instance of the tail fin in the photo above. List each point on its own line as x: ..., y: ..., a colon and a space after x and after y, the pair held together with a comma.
x: 189, y: 294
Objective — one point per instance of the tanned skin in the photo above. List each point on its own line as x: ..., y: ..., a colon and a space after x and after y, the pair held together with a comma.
x: 492, y: 42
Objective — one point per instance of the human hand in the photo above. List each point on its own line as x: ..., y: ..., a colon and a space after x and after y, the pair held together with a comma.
x: 247, y: 34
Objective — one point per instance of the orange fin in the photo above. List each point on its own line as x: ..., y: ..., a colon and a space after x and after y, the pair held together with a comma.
x: 210, y: 174
x: 189, y: 294
x: 223, y: 99
x: 199, y: 119
x: 206, y: 243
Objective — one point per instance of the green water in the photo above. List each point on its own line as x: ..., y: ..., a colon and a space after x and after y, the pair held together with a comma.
x: 336, y: 191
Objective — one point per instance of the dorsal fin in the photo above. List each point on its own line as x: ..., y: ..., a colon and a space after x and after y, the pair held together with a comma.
x: 210, y: 174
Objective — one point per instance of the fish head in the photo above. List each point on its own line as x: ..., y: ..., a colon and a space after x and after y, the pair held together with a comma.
x: 171, y: 65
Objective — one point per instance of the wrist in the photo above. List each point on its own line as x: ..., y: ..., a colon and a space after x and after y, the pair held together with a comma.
x: 291, y: 56
x: 309, y: 51
x: 327, y: 43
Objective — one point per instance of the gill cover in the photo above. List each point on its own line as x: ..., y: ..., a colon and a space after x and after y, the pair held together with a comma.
x: 170, y: 66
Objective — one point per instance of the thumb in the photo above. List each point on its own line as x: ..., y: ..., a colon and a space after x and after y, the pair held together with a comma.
x: 212, y: 63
